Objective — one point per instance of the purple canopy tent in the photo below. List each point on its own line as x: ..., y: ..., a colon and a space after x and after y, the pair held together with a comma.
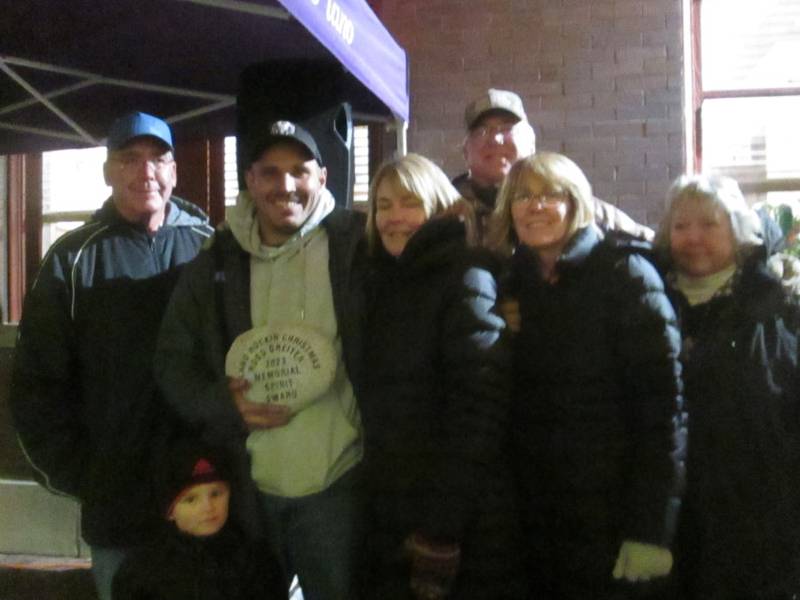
x: 68, y: 68
x: 355, y: 36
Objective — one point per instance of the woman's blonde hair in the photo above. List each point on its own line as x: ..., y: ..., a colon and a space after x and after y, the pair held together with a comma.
x: 420, y: 177
x: 560, y: 175
x: 713, y: 192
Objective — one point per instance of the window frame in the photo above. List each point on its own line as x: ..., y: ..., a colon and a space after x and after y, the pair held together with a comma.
x: 699, y: 95
x: 23, y: 212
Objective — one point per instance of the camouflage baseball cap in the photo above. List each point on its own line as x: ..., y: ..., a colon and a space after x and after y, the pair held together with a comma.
x: 494, y: 100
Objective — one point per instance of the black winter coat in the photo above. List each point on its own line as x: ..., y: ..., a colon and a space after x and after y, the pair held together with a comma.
x: 82, y: 392
x: 436, y: 415
x: 175, y: 566
x: 596, y: 413
x: 740, y: 532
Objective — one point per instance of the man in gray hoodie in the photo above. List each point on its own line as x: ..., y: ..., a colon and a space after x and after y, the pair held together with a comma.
x: 280, y: 283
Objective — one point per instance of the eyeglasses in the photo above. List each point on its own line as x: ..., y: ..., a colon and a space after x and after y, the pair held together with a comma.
x: 130, y: 162
x: 484, y: 133
x: 544, y: 200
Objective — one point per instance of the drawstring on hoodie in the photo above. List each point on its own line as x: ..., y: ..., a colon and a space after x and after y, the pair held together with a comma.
x: 305, y: 281
x: 243, y: 222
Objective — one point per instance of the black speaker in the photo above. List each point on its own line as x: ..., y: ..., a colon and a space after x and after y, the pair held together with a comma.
x: 311, y: 93
x: 333, y: 131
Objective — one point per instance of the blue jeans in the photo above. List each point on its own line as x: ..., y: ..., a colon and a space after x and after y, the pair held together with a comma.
x: 105, y: 564
x: 319, y: 537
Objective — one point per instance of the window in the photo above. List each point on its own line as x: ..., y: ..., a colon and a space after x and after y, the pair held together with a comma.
x: 72, y: 189
x: 749, y: 95
x: 360, y: 164
x: 3, y: 240
x: 231, y: 173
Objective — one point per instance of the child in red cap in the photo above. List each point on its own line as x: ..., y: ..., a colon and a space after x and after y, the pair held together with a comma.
x: 200, y: 554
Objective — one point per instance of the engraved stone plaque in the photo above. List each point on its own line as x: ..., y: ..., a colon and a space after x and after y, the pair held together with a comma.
x: 291, y: 365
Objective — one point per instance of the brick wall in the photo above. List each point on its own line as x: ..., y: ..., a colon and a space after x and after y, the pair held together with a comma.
x: 602, y: 81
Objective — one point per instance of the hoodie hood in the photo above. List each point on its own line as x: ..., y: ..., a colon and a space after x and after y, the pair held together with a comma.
x: 244, y: 225
x: 184, y: 213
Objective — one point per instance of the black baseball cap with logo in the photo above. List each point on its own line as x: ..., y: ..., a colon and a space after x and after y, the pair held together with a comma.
x: 282, y: 131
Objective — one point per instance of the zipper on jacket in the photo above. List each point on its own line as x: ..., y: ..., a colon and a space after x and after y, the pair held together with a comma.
x: 152, y: 245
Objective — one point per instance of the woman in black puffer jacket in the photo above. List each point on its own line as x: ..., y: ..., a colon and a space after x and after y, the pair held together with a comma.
x: 596, y: 415
x: 443, y: 520
x: 739, y: 530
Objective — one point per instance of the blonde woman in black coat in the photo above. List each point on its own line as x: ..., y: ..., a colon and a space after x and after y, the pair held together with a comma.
x: 596, y: 397
x: 443, y: 516
x: 739, y: 529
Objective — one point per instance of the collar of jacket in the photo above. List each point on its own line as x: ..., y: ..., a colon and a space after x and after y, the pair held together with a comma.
x: 755, y: 284
x: 574, y: 254
x: 180, y: 213
x: 485, y: 196
x: 430, y: 245
x: 222, y: 543
x: 756, y: 290
x: 525, y: 260
x: 579, y: 247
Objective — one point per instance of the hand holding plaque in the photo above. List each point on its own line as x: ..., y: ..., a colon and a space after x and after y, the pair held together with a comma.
x: 257, y: 415
x: 289, y: 366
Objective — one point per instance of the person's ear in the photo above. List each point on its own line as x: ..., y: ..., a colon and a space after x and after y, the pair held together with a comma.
x: 174, y: 173
x: 249, y: 178
x: 323, y: 176
x: 530, y: 141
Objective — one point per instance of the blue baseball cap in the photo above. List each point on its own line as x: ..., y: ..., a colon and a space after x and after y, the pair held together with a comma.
x: 138, y: 124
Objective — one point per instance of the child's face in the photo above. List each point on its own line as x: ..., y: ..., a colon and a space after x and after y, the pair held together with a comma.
x: 203, y: 509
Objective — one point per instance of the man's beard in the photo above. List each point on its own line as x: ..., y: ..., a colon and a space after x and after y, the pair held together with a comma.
x: 306, y: 211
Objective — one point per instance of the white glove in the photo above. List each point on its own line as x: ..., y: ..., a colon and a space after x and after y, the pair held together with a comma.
x: 642, y: 562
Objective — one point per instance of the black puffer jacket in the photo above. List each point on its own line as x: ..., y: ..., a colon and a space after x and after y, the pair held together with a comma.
x: 82, y: 391
x: 436, y: 415
x: 596, y: 414
x: 739, y: 535
x: 175, y: 566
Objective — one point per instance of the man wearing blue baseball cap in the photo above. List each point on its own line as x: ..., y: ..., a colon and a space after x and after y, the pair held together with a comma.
x: 140, y: 168
x: 82, y: 392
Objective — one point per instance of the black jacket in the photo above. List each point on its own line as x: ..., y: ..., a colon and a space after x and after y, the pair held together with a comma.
x: 175, y: 566
x: 82, y: 389
x: 481, y: 199
x: 740, y: 531
x: 211, y: 307
x: 436, y: 413
x: 597, y: 409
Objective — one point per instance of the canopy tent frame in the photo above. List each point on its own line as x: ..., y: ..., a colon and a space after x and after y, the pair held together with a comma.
x: 245, y: 7
x: 32, y: 55
x: 218, y: 101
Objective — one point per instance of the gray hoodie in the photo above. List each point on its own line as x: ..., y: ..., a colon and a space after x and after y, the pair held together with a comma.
x: 291, y: 283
